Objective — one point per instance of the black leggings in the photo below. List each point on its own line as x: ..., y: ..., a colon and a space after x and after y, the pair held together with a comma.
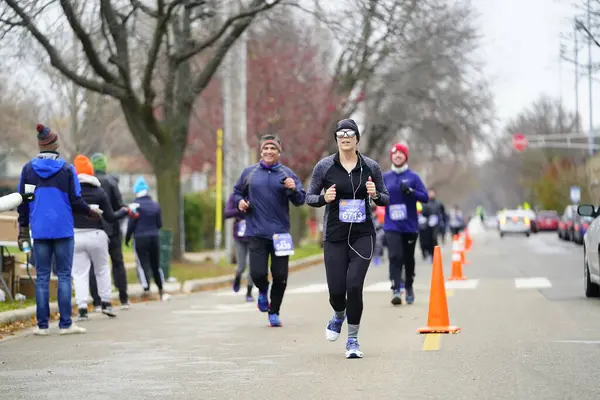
x: 346, y: 272
x: 401, y: 248
x: 147, y: 249
x: 260, y: 249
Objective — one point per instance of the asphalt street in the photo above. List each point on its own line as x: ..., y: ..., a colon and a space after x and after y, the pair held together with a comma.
x: 528, y: 332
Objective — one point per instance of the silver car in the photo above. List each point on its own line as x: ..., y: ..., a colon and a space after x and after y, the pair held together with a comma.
x: 514, y: 222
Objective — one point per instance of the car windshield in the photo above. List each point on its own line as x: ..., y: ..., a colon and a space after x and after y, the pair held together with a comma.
x: 547, y: 214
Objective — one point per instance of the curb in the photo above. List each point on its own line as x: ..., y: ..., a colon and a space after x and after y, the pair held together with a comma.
x: 186, y: 287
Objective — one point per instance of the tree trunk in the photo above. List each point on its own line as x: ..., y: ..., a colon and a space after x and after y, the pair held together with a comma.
x: 168, y: 185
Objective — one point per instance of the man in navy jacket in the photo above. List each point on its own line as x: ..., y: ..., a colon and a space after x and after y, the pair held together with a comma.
x: 50, y: 216
x: 401, y: 220
x: 264, y: 192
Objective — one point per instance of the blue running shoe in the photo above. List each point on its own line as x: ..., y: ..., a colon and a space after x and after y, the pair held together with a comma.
x: 353, y: 349
x: 263, y: 302
x: 334, y: 328
x: 410, y: 295
x: 274, y: 320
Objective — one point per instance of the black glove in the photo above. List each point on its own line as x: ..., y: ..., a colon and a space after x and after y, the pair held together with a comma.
x: 27, y: 197
x: 288, y: 192
x: 23, y: 237
x: 406, y: 189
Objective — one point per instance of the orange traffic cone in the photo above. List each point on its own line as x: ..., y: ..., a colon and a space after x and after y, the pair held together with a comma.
x: 438, y: 320
x: 462, y: 249
x: 457, y: 260
x: 468, y: 240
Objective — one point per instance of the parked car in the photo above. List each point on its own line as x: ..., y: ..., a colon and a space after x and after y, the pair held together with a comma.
x: 580, y: 227
x: 515, y: 222
x: 591, y: 259
x: 547, y: 220
x: 565, y: 225
x: 532, y: 220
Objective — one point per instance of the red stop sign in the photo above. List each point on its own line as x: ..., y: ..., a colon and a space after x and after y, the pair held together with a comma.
x: 519, y: 142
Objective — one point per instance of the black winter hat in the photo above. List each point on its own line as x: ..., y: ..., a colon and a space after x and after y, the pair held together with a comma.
x: 347, y: 124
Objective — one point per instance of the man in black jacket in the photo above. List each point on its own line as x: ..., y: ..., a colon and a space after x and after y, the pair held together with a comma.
x: 431, y: 216
x: 113, y: 230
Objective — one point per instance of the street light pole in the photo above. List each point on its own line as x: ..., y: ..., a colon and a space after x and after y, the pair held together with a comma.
x: 590, y: 89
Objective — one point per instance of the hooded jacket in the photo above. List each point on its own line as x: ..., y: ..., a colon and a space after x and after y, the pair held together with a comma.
x: 269, y: 200
x: 57, y: 197
x: 403, y: 206
x: 92, y: 193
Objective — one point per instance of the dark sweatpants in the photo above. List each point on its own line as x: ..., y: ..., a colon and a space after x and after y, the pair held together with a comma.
x: 346, y: 272
x: 260, y: 250
x: 147, y: 249
x: 401, y: 250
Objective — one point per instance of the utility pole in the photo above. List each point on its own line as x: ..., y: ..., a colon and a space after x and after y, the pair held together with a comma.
x: 590, y: 81
x: 236, y: 153
x: 576, y: 59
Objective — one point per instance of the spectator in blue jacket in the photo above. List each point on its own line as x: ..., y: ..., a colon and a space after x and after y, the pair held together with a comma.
x: 401, y: 220
x: 145, y: 227
x: 264, y: 192
x: 241, y: 246
x: 50, y: 216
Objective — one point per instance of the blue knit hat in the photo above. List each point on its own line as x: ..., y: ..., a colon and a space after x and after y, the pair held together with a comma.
x: 140, y: 185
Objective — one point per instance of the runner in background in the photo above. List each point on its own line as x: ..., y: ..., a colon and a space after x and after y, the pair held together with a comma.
x: 433, y: 213
x: 456, y: 220
x: 401, y: 224
x: 242, y: 253
x: 378, y: 220
x: 264, y: 192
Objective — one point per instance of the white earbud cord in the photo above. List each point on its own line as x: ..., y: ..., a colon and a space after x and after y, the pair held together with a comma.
x: 352, y: 223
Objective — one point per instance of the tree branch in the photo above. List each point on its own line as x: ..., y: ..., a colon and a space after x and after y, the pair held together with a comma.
x: 119, y: 35
x: 86, y: 42
x: 57, y: 61
x: 256, y: 7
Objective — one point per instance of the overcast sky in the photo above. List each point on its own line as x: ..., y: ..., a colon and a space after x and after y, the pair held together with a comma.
x: 522, y: 54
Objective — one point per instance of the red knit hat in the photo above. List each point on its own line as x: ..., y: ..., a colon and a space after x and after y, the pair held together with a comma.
x: 399, y: 147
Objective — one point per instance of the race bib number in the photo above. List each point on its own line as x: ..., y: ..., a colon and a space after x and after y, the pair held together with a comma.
x: 241, y: 228
x: 283, y: 244
x: 433, y: 220
x: 398, y: 212
x: 352, y: 211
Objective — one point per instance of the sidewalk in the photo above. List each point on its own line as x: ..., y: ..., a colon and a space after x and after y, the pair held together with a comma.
x: 135, y: 290
x: 202, y: 256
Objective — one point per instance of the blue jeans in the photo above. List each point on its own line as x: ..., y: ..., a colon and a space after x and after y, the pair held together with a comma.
x: 62, y: 252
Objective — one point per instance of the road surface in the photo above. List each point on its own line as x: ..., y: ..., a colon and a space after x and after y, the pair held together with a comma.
x: 528, y: 332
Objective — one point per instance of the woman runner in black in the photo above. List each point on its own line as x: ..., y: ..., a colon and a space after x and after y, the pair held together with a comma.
x: 350, y: 181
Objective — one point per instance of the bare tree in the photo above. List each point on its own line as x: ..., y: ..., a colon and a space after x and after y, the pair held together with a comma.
x: 509, y: 178
x: 122, y: 38
x: 432, y: 96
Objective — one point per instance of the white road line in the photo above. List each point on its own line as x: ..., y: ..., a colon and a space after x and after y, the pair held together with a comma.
x: 532, y: 283
x: 379, y: 287
x: 314, y: 288
x: 466, y: 284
